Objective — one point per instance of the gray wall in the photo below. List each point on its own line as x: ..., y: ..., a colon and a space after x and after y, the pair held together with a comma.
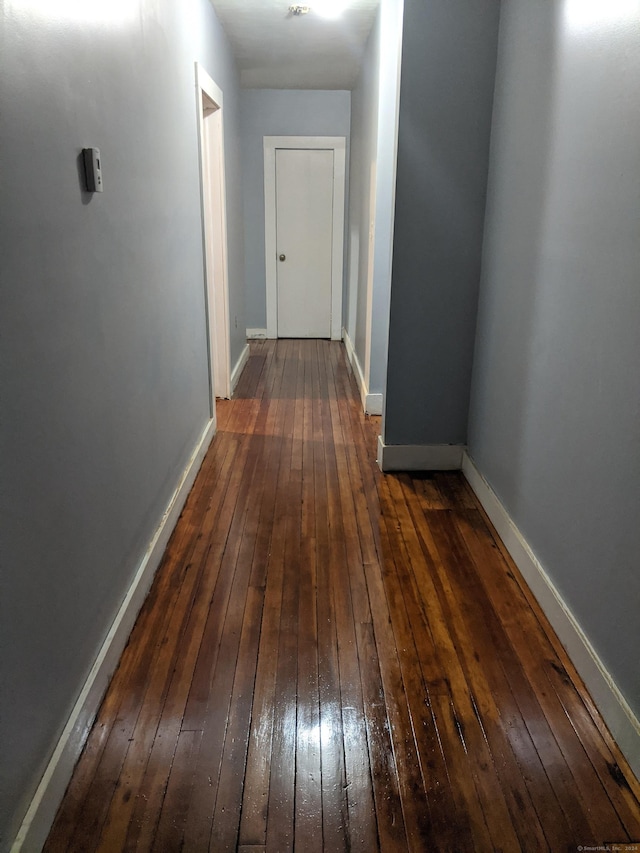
x: 448, y: 69
x: 555, y: 414
x: 103, y: 352
x: 374, y: 140
x: 364, y: 141
x: 278, y: 112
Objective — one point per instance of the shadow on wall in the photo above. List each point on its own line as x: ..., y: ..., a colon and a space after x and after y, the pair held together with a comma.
x: 85, y: 196
x: 524, y: 109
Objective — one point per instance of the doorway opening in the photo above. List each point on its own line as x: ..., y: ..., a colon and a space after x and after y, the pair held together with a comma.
x: 214, y: 231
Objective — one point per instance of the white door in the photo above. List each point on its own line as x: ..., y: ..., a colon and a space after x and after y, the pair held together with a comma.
x: 304, y: 229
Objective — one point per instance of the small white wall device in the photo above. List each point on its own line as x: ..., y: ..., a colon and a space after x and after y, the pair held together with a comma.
x: 93, y: 169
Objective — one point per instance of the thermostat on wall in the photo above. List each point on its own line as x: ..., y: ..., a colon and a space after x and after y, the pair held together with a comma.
x: 93, y: 169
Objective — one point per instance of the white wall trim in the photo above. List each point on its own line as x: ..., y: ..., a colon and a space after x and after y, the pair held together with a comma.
x: 355, y: 364
x: 419, y: 457
x: 619, y: 717
x: 48, y: 796
x: 256, y: 334
x: 371, y: 403
x: 213, y: 201
x: 240, y: 365
x: 338, y: 145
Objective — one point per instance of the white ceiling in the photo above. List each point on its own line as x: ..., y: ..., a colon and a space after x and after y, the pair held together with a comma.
x: 277, y: 50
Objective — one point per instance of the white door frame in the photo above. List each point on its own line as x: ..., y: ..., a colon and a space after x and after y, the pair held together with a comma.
x: 214, y: 233
x: 337, y: 144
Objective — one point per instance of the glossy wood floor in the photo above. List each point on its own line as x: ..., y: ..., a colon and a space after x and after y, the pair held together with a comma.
x: 333, y: 660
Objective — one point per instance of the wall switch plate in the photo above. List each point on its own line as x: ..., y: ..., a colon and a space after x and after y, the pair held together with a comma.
x: 93, y: 169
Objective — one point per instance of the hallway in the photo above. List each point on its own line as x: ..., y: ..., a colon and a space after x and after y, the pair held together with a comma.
x: 334, y: 660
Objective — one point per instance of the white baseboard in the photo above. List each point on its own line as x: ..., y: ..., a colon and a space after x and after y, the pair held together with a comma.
x: 619, y: 717
x: 371, y: 403
x: 44, y: 805
x: 240, y: 365
x: 355, y: 364
x: 256, y: 334
x: 419, y: 457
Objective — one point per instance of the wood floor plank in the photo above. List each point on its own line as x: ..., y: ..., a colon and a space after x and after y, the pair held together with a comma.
x: 392, y: 834
x: 381, y: 764
x: 222, y: 553
x: 224, y: 621
x: 131, y: 736
x: 588, y: 770
x: 457, y: 720
x: 308, y: 792
x: 413, y: 798
x: 331, y: 660
x: 147, y: 729
x: 146, y: 814
x: 253, y: 822
x: 334, y: 806
x: 170, y: 829
x: 467, y: 639
x: 142, y: 822
x: 361, y: 815
x: 280, y: 814
x: 472, y: 638
x: 120, y: 704
x: 226, y: 817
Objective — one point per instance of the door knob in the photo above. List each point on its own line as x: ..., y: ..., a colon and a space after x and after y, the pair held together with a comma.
x: 283, y: 257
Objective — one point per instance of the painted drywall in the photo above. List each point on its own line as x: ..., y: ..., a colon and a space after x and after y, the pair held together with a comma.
x: 448, y: 72
x: 555, y: 411
x: 272, y: 112
x: 103, y: 364
x: 364, y: 138
x: 374, y: 143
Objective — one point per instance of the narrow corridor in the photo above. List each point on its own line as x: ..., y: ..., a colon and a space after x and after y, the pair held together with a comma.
x: 334, y: 660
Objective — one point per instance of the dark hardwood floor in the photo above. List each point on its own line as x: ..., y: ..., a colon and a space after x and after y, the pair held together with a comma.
x: 335, y: 660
